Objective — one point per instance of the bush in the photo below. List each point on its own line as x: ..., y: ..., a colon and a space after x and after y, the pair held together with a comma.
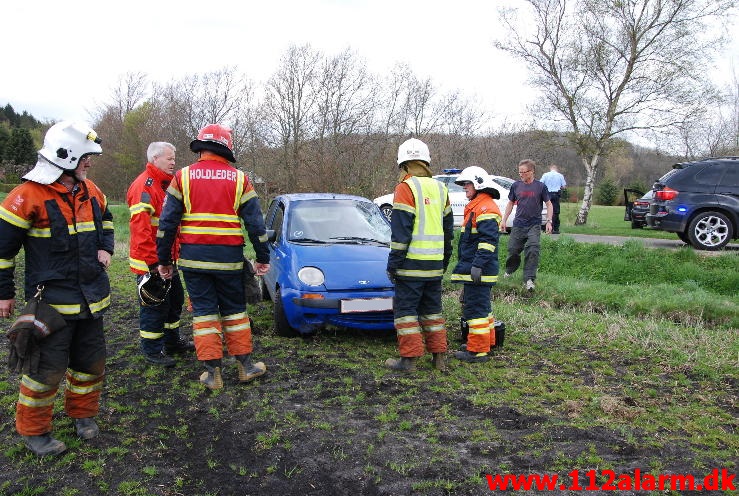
x: 606, y: 193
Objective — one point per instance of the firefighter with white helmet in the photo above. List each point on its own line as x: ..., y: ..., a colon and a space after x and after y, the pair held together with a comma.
x: 205, y: 205
x: 421, y: 246
x: 477, y: 265
x: 62, y: 221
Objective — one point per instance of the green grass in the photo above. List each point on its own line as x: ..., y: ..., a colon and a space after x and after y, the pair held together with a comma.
x: 634, y: 349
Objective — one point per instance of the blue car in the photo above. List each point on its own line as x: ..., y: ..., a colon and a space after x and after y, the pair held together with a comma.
x: 328, y: 255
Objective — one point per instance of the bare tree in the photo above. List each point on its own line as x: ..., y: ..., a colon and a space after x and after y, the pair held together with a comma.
x: 290, y: 101
x: 610, y: 67
x: 343, y: 120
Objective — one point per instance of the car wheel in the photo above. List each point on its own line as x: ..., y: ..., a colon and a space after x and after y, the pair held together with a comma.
x: 635, y: 224
x: 282, y: 326
x: 263, y: 287
x: 683, y: 237
x: 710, y: 231
x: 387, y: 211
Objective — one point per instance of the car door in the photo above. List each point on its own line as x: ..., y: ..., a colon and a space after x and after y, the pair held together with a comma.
x: 275, y: 221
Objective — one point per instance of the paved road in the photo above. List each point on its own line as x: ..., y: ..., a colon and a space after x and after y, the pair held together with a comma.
x: 652, y: 242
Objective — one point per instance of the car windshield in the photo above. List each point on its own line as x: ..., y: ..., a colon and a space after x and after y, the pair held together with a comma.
x: 337, y: 221
x: 504, y: 181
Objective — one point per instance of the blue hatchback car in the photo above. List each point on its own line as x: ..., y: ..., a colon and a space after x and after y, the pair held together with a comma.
x: 328, y: 255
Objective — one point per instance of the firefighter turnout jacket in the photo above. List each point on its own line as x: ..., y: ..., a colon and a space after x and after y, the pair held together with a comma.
x: 422, y: 229
x: 207, y: 202
x: 62, y: 232
x: 478, y: 240
x: 478, y: 245
x: 145, y: 198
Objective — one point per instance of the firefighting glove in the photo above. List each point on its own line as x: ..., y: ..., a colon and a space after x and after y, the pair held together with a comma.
x: 476, y: 275
x: 24, y: 351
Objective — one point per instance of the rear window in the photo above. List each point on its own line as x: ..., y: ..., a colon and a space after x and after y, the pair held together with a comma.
x: 709, y: 176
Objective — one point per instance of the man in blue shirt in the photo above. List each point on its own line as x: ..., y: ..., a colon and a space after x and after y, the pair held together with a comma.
x: 555, y: 183
x: 528, y: 194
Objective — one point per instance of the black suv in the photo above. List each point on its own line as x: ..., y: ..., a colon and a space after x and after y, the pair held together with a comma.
x: 699, y: 201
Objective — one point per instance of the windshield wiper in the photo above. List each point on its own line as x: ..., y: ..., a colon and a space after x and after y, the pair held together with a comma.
x: 360, y: 239
x: 307, y: 240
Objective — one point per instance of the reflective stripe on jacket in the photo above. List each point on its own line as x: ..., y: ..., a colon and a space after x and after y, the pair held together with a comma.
x: 207, y: 202
x: 422, y: 224
x: 145, y: 197
x: 478, y: 240
x: 61, y: 233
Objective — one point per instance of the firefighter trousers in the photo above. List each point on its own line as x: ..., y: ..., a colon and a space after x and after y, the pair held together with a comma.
x: 477, y: 311
x: 160, y: 325
x: 418, y: 319
x: 77, y: 351
x: 219, y: 313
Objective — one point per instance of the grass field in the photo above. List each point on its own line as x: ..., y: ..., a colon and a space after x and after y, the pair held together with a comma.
x: 626, y: 358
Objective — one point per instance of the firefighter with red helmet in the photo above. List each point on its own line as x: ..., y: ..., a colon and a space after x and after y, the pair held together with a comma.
x: 206, y: 203
x: 159, y: 324
x: 420, y: 248
x: 62, y: 221
x: 477, y: 262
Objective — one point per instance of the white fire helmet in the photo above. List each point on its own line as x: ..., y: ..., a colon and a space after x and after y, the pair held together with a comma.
x: 65, y: 144
x: 414, y: 149
x: 477, y: 176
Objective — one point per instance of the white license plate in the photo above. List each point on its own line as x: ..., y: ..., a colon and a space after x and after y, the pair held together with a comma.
x: 366, y: 305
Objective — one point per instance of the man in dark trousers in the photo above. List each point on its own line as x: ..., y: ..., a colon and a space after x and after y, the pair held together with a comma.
x: 206, y: 204
x: 159, y: 325
x: 528, y: 195
x: 420, y: 249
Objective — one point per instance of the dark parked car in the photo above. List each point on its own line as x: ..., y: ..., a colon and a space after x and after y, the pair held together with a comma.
x: 328, y: 254
x: 637, y: 207
x: 699, y: 201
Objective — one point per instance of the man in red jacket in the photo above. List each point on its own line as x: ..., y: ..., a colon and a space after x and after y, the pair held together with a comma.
x: 208, y: 206
x: 159, y: 325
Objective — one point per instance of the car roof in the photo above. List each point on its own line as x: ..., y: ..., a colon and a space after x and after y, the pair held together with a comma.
x: 292, y: 197
x: 682, y: 165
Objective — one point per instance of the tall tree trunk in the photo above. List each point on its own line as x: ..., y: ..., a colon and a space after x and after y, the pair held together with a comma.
x: 587, y: 199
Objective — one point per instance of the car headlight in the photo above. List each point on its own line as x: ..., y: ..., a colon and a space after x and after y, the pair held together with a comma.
x: 311, y: 276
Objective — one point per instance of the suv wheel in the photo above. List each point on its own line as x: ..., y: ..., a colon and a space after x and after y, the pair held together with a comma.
x: 684, y: 237
x: 710, y: 231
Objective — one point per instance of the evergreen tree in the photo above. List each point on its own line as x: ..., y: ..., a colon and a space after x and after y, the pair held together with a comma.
x: 20, y: 149
x: 4, y: 138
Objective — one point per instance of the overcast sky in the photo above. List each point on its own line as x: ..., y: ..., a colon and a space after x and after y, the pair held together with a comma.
x: 61, y: 58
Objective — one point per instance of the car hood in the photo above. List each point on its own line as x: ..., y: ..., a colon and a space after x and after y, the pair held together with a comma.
x: 347, y: 266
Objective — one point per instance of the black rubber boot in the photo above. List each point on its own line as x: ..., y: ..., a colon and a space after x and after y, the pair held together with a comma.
x: 403, y: 364
x: 464, y: 329
x: 211, y: 378
x: 160, y: 359
x: 248, y: 370
x: 86, y: 428
x: 44, y: 445
x: 179, y: 346
x: 471, y: 357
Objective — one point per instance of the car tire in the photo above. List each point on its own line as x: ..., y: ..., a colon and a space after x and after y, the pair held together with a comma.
x: 263, y: 287
x: 635, y: 224
x: 710, y: 231
x: 387, y: 211
x: 683, y: 237
x: 282, y: 326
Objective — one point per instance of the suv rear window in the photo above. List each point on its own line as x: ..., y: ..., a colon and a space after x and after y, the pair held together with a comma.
x: 709, y: 176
